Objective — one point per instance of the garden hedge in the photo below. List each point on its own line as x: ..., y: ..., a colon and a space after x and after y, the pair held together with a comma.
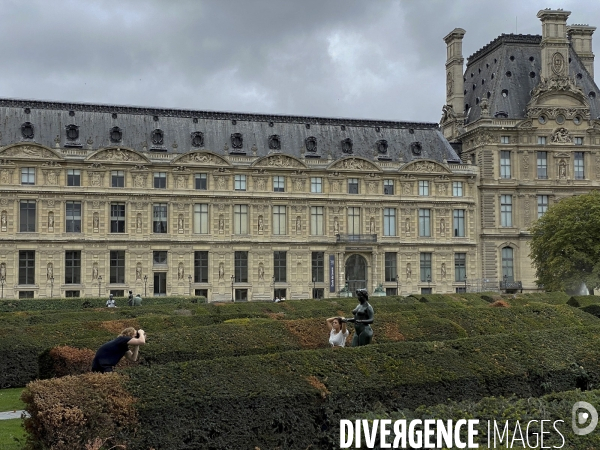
x: 175, y: 338
x: 294, y: 400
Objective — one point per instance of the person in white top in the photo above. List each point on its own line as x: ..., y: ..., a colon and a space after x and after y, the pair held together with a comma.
x: 337, y: 331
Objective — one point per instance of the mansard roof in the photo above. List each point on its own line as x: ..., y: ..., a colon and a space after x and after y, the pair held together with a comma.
x: 506, y: 71
x: 93, y: 127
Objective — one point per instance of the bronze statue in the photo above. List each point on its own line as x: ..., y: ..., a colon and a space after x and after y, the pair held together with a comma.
x: 363, y: 318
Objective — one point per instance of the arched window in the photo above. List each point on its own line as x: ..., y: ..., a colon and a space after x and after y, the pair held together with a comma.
x: 507, y: 264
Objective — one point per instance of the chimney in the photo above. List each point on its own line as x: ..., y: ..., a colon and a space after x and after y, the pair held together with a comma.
x: 555, y: 46
x: 454, y: 76
x: 581, y: 41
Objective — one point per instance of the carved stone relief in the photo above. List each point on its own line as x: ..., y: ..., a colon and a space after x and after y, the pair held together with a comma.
x: 561, y: 136
x: 6, y: 176
x: 372, y: 187
x: 96, y: 178
x: 26, y: 151
x: 220, y: 182
x: 139, y: 180
x: 299, y: 185
x: 180, y: 181
x: 117, y: 154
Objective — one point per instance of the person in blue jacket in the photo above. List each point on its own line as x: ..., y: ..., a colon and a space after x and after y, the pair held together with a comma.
x: 109, y: 354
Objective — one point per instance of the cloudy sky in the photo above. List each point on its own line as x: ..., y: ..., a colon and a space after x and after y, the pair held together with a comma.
x: 374, y: 59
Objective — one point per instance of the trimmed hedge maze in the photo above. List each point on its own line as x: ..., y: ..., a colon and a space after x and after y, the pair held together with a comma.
x: 261, y: 374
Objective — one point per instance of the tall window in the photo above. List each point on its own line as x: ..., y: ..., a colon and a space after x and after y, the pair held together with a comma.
x: 459, y: 222
x: 389, y: 221
x: 541, y: 140
x: 460, y: 266
x: 424, y: 222
x: 353, y: 220
x: 27, y: 215
x: 73, y: 217
x: 423, y: 187
x: 160, y: 180
x: 117, y: 178
x: 388, y: 187
x: 72, y: 267
x: 159, y: 218
x: 28, y: 175
x: 278, y: 184
x: 240, y: 219
x: 159, y: 257
x: 117, y: 266
x: 425, y: 261
x: 352, y: 185
x: 542, y: 165
x: 505, y: 139
x: 507, y: 264
x: 578, y: 166
x: 201, y: 267
x: 318, y: 267
x: 26, y: 266
x: 73, y: 177
x: 279, y: 219
x: 505, y: 164
x: 240, y: 182
x: 316, y: 220
x: 542, y: 202
x: 506, y: 210
x: 117, y: 217
x: 578, y: 141
x: 457, y: 188
x: 200, y: 181
x: 316, y: 185
x: 201, y: 218
x: 279, y: 267
x: 240, y: 267
x: 391, y: 266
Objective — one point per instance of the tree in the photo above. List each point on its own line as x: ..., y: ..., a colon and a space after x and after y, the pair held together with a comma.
x: 565, y: 245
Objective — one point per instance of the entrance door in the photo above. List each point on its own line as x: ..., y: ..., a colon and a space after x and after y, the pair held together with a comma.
x: 160, y: 283
x: 356, y: 273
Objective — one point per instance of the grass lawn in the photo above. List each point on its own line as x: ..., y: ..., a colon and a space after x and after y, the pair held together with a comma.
x: 10, y: 399
x: 10, y: 430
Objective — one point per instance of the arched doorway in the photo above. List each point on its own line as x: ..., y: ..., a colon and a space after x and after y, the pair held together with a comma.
x: 356, y: 273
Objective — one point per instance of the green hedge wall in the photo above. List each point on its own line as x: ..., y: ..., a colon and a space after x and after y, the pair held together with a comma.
x: 294, y: 400
x: 181, y: 338
x: 552, y: 407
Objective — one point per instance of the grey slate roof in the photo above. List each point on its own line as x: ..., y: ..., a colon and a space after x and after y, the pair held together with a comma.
x: 487, y: 76
x: 50, y: 120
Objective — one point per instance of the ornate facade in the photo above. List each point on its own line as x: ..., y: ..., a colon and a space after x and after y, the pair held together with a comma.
x: 526, y: 113
x: 97, y: 199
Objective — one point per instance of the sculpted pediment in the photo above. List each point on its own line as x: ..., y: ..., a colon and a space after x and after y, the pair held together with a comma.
x: 117, y: 154
x: 424, y: 166
x: 280, y: 161
x: 200, y: 157
x: 29, y: 151
x: 354, y: 164
x: 558, y: 96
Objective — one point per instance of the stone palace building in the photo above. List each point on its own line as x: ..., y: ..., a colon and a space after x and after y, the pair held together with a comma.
x: 98, y: 199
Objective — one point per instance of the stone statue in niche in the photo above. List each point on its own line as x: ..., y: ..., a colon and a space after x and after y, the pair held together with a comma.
x: 298, y: 225
x: 442, y: 226
x: 372, y: 226
x: 336, y: 226
x: 443, y: 271
x: 95, y: 271
x: 180, y: 272
x: 407, y: 225
x: 221, y: 224
x: 3, y: 219
x: 261, y: 272
x: 408, y: 271
x: 96, y: 221
x: 180, y: 222
x: 138, y: 223
x: 50, y: 219
x: 260, y: 225
x: 221, y: 271
x: 138, y: 272
x: 49, y: 271
x: 3, y: 271
x: 562, y: 169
